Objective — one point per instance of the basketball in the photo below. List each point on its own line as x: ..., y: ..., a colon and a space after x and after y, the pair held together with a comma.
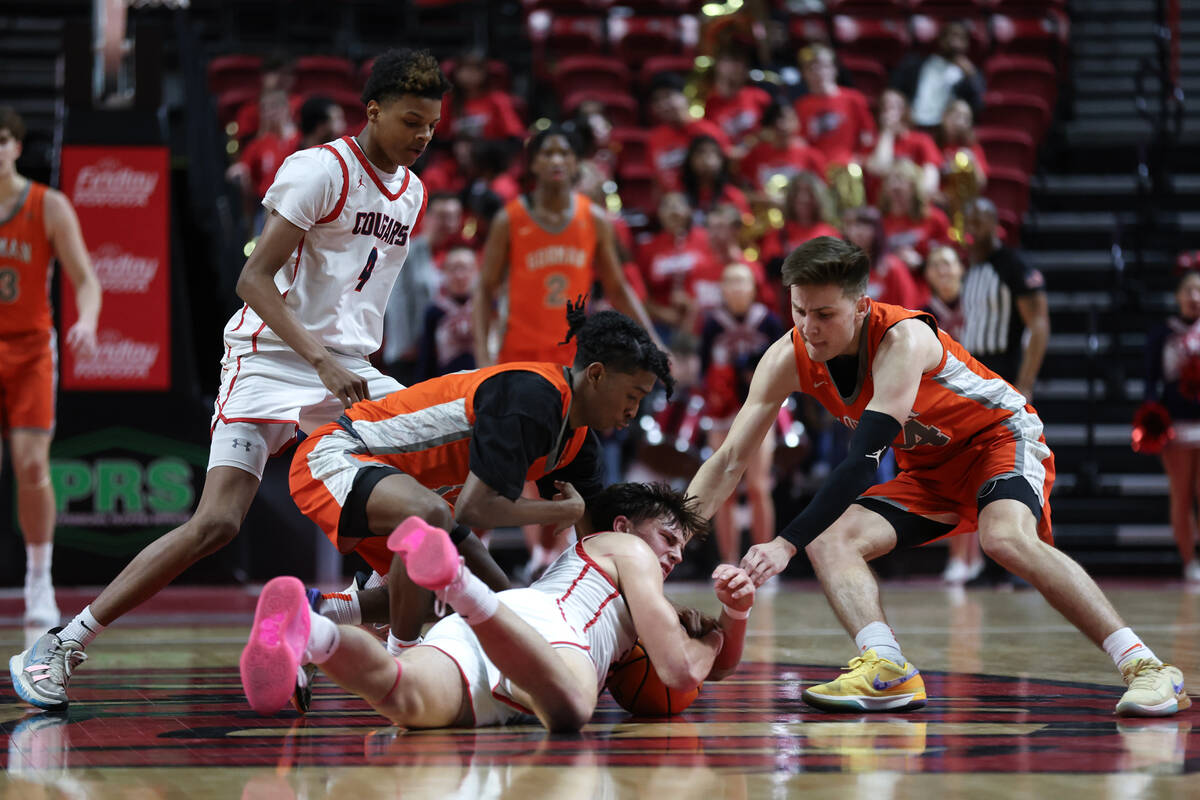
x: 636, y: 687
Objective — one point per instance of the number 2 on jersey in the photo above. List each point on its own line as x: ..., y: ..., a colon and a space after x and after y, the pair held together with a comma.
x: 365, y: 275
x: 556, y: 290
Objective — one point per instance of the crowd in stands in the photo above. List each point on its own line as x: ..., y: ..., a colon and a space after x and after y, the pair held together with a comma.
x: 715, y: 157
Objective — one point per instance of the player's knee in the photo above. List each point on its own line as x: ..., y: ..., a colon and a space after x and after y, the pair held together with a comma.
x: 829, y: 546
x: 569, y: 716
x: 211, y: 533
x: 31, y: 472
x: 1005, y: 546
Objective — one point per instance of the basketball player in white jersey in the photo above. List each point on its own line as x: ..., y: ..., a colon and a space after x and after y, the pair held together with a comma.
x: 543, y: 651
x: 315, y: 288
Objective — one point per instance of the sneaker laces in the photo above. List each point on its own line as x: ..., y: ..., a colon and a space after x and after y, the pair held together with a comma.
x: 1144, y: 673
x: 62, y: 664
x: 859, y: 662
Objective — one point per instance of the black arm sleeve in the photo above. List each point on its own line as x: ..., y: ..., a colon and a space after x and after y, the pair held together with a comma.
x: 856, y: 473
x: 517, y: 418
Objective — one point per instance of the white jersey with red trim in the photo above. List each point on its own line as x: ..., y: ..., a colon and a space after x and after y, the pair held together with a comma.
x: 591, y: 604
x: 357, y: 222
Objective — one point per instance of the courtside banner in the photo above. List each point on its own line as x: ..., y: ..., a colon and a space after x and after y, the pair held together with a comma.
x: 121, y: 196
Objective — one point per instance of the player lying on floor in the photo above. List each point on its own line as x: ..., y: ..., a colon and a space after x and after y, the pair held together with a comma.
x: 542, y: 651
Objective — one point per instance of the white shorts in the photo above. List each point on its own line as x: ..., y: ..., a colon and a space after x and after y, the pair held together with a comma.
x: 490, y: 692
x: 265, y: 397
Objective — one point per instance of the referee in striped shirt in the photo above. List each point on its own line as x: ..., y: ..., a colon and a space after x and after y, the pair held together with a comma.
x: 1007, y: 321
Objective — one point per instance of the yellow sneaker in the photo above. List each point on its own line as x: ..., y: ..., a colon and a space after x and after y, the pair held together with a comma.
x: 1155, y: 690
x: 870, y: 683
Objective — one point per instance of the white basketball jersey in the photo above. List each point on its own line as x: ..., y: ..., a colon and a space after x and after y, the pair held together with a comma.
x: 358, y: 221
x: 591, y: 603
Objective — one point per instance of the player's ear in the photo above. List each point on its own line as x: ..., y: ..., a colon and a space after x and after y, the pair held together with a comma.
x: 622, y: 524
x: 863, y: 306
x: 373, y: 110
x: 595, y: 372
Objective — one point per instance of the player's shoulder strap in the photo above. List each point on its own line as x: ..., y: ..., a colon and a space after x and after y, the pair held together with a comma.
x: 341, y: 203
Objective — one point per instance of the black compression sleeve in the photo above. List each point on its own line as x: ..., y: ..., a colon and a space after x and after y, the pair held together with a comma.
x: 874, y: 434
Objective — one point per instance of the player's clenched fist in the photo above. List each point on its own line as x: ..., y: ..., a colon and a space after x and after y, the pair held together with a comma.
x: 570, y: 503
x: 733, y: 587
x: 764, y: 561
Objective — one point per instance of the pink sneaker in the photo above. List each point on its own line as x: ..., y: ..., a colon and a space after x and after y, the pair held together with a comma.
x: 277, y: 644
x: 429, y: 556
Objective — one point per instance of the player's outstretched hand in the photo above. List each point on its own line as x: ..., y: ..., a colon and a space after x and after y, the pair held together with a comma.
x: 571, y: 505
x: 81, y: 338
x: 733, y: 587
x: 764, y: 561
x: 342, y: 383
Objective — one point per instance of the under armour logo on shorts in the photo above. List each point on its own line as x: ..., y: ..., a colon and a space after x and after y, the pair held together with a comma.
x: 242, y: 443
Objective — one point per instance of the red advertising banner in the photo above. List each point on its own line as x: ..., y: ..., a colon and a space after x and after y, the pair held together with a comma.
x: 121, y: 196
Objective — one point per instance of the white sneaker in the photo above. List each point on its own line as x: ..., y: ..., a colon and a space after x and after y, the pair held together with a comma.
x: 41, y: 611
x: 975, y: 570
x: 1191, y: 571
x: 956, y: 571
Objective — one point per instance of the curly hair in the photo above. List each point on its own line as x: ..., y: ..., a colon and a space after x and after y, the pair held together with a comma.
x: 399, y: 72
x: 615, y: 341
x: 644, y: 501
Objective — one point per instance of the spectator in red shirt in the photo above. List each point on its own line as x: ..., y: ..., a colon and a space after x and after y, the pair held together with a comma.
x: 666, y: 261
x: 897, y: 140
x: 808, y: 212
x: 890, y: 280
x: 910, y: 222
x: 732, y: 104
x: 255, y: 170
x: 475, y: 111
x: 707, y: 181
x: 449, y: 173
x: 780, y: 153
x: 676, y: 128
x: 724, y: 226
x: 959, y: 150
x: 834, y: 119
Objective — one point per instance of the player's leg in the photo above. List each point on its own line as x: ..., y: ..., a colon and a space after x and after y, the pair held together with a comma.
x: 759, y: 484
x: 1008, y: 534
x: 30, y: 453
x: 420, y: 689
x: 839, y: 557
x: 562, y: 692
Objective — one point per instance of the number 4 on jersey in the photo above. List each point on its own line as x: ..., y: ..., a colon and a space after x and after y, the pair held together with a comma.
x: 916, y: 434
x: 365, y: 275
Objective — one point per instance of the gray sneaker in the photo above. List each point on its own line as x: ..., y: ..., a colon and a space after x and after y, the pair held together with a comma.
x: 41, y: 673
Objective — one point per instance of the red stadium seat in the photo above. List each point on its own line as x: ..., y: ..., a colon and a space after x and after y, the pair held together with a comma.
x: 1016, y: 111
x: 1007, y: 148
x: 885, y: 40
x: 870, y: 77
x: 807, y: 28
x: 949, y: 9
x: 867, y: 8
x: 233, y: 72
x: 1005, y: 73
x: 1044, y: 35
x: 639, y: 189
x: 595, y: 73
x: 323, y: 75
x: 635, y: 39
x: 498, y: 75
x: 633, y: 148
x: 620, y: 108
x: 683, y: 66
x: 229, y: 101
x: 555, y: 37
x: 1008, y: 189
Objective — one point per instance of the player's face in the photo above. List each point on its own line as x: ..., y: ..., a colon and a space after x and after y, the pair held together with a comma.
x: 828, y: 321
x: 403, y: 126
x: 616, y: 395
x: 665, y: 539
x: 555, y: 162
x: 10, y: 151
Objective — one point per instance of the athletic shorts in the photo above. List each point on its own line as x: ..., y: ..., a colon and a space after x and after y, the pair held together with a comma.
x: 982, y: 473
x: 490, y: 692
x: 265, y: 397
x: 28, y: 379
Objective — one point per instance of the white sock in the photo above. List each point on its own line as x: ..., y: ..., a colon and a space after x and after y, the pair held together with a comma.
x: 375, y: 581
x: 323, y: 638
x: 82, y: 629
x: 1124, y: 646
x: 37, y: 562
x: 879, y: 637
x: 470, y: 597
x: 341, y: 607
x: 397, y: 646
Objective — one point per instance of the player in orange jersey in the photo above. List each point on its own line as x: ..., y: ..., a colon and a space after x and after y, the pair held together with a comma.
x: 37, y: 224
x: 971, y: 455
x: 543, y: 249
x: 543, y: 651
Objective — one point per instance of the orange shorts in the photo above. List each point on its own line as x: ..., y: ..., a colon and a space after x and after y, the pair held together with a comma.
x: 28, y: 375
x: 955, y: 486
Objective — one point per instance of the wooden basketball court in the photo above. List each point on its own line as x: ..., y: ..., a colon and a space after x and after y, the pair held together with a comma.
x: 1020, y: 705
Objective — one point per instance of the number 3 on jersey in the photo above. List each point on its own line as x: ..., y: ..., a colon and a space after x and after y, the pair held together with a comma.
x: 365, y: 275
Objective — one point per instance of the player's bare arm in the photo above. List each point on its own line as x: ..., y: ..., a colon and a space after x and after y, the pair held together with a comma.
x: 608, y: 269
x: 735, y: 591
x: 681, y: 662
x: 1035, y: 313
x: 63, y: 231
x: 480, y: 506
x: 491, y: 277
x: 774, y: 379
x: 256, y: 285
x: 908, y: 350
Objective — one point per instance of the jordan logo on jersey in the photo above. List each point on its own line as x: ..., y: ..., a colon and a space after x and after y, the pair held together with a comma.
x: 15, y: 249
x: 381, y: 226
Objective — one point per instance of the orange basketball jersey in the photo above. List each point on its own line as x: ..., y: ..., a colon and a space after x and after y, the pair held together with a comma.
x: 959, y: 402
x: 25, y: 255
x: 545, y: 270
